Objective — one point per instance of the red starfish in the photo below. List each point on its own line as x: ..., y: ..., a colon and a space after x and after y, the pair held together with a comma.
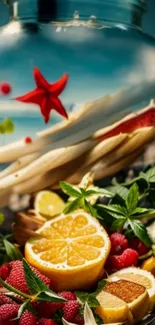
x: 46, y: 95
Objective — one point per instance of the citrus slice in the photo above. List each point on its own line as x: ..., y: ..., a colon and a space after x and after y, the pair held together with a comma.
x: 135, y: 296
x: 141, y: 277
x: 72, y: 250
x: 48, y: 204
x: 113, y: 309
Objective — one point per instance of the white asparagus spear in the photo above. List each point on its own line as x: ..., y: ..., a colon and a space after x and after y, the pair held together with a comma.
x: 92, y: 117
x: 49, y: 161
x: 18, y: 164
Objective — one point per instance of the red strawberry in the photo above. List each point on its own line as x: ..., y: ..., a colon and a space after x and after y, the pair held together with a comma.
x: 79, y: 320
x: 27, y: 318
x: 117, y: 262
x: 4, y: 271
x: 139, y: 246
x: 16, y: 277
x: 46, y: 309
x: 68, y: 295
x: 8, y: 311
x: 118, y: 243
x: 5, y: 300
x: 70, y: 310
x: 45, y: 321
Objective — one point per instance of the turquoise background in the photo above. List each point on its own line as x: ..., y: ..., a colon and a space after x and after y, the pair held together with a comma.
x: 149, y: 19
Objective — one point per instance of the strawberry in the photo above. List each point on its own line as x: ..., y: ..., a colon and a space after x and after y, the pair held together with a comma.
x: 8, y: 311
x: 4, y: 271
x: 46, y: 309
x: 68, y: 295
x: 139, y: 246
x: 118, y: 243
x: 16, y: 276
x: 117, y: 262
x: 79, y: 320
x: 70, y: 310
x: 5, y: 300
x: 45, y: 321
x: 27, y: 318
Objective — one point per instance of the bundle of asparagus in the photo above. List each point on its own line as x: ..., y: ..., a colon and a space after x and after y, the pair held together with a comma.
x: 71, y: 148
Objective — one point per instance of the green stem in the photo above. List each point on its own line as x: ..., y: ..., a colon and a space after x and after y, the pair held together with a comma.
x: 150, y: 253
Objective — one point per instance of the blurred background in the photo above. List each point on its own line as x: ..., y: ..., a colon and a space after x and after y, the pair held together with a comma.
x: 149, y: 18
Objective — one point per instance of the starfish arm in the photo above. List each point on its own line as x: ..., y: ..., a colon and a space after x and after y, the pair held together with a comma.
x: 45, y: 106
x: 41, y: 82
x: 34, y: 96
x: 59, y: 86
x: 57, y: 105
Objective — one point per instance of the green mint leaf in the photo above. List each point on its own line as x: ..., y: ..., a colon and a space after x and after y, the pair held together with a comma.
x: 119, y: 223
x: 90, y: 298
x: 69, y: 189
x: 141, y: 212
x: 22, y: 308
x: 12, y: 251
x: 72, y: 205
x: 2, y: 218
x: 140, y: 231
x: 132, y: 198
x: 113, y: 208
x: 100, y: 286
x: 99, y: 191
x: 120, y: 190
x: 150, y: 174
x: 49, y: 296
x: 12, y: 289
x: 90, y: 209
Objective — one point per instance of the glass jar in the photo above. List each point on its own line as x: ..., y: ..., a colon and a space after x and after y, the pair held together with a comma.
x: 99, y: 43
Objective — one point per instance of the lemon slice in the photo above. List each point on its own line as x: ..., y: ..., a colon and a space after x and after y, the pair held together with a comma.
x: 72, y: 251
x: 139, y: 276
x: 113, y: 309
x: 48, y: 204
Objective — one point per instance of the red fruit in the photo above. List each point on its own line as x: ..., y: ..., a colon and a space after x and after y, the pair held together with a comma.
x: 68, y: 295
x: 70, y: 310
x: 4, y: 271
x: 8, y: 311
x: 117, y: 262
x: 118, y: 243
x: 27, y: 318
x: 47, y: 309
x: 5, y: 88
x: 79, y: 320
x: 139, y: 246
x: 6, y: 300
x: 45, y: 321
x: 28, y: 140
x: 16, y: 277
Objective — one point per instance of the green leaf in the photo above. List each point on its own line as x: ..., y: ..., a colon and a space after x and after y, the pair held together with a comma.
x: 140, y: 231
x: 2, y: 218
x: 49, y: 296
x: 12, y: 289
x: 113, y: 208
x: 99, y: 191
x: 69, y: 189
x: 120, y: 190
x: 72, y: 205
x: 119, y: 223
x: 150, y: 174
x: 90, y: 209
x: 6, y: 126
x: 12, y: 251
x: 90, y: 298
x: 22, y: 308
x: 100, y: 286
x: 142, y: 212
x: 132, y: 198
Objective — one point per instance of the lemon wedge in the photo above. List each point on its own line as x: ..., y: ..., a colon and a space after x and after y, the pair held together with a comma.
x: 48, y: 204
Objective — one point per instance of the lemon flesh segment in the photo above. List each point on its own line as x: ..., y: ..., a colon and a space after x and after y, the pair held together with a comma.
x: 141, y: 277
x: 112, y: 309
x: 48, y: 204
x: 72, y: 250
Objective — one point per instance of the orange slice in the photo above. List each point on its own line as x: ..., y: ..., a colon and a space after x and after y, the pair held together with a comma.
x: 72, y: 250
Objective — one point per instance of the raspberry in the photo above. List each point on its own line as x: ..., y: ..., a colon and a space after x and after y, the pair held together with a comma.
x: 8, y: 311
x: 16, y: 277
x: 68, y: 295
x: 46, y: 309
x: 6, y: 300
x: 118, y: 243
x: 79, y: 320
x: 28, y: 140
x: 70, y: 310
x: 4, y: 271
x: 5, y: 88
x: 44, y: 321
x: 128, y: 258
x: 27, y: 318
x: 139, y: 246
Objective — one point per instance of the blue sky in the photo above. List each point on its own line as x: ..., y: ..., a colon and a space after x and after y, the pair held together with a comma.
x: 149, y: 19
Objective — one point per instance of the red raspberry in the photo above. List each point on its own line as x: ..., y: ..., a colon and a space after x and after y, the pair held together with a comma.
x: 79, y: 320
x: 16, y: 277
x: 28, y: 140
x: 8, y: 311
x: 4, y: 271
x: 118, y: 243
x: 139, y: 246
x: 6, y: 300
x: 44, y: 321
x: 5, y: 88
x: 46, y: 309
x: 68, y: 295
x: 27, y: 318
x: 128, y: 258
x: 70, y: 310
